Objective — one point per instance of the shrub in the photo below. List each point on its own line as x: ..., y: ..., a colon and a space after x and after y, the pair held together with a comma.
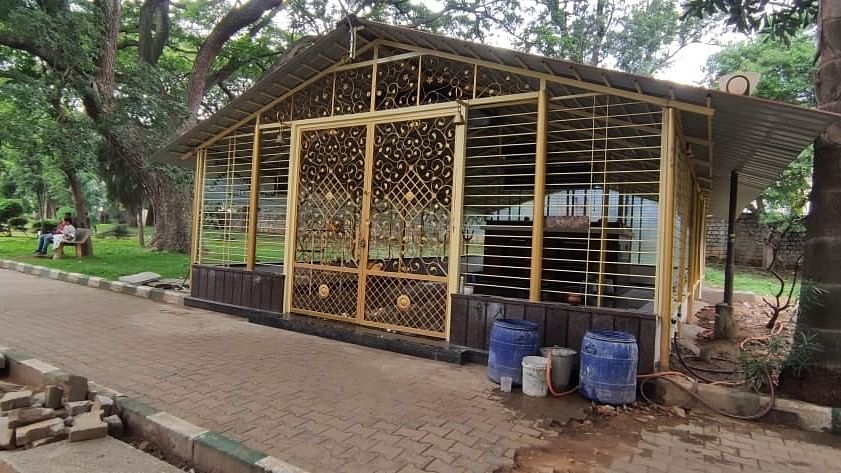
x: 44, y: 226
x: 19, y: 223
x: 9, y: 209
x: 119, y: 230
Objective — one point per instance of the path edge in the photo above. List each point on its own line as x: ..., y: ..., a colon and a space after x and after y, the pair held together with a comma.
x: 146, y: 292
x: 799, y: 414
x: 209, y: 451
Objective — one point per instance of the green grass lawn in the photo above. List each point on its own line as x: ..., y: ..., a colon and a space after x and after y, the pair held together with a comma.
x: 747, y: 279
x: 112, y: 257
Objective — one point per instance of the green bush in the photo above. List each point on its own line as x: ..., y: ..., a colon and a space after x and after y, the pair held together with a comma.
x: 19, y: 223
x: 44, y: 226
x: 117, y: 231
x: 9, y: 209
x: 65, y: 210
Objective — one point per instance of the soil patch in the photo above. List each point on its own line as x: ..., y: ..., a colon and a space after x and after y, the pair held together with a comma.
x: 592, y: 442
x: 819, y: 386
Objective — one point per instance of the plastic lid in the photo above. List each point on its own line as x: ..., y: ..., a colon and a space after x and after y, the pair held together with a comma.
x: 611, y: 336
x: 516, y: 324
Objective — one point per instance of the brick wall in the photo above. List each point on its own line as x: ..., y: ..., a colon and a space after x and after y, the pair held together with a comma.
x: 749, y: 242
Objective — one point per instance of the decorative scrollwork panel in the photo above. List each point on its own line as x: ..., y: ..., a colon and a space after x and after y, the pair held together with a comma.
x: 443, y: 80
x: 330, y: 194
x: 397, y: 84
x: 495, y: 82
x: 314, y: 100
x: 353, y: 91
x: 412, y: 196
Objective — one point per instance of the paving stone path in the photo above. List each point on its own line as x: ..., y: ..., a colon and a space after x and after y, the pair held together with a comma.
x: 322, y: 405
x: 718, y: 445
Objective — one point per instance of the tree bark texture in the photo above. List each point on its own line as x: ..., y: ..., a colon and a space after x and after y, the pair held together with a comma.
x: 821, y: 307
x: 153, y: 30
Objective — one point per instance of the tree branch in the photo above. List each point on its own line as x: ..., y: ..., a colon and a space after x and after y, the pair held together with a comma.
x: 228, y: 26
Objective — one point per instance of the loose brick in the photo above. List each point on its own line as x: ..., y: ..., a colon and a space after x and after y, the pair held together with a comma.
x: 38, y: 431
x: 87, y: 426
x: 16, y: 400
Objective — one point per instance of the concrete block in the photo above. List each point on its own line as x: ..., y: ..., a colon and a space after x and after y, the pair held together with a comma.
x: 39, y: 365
x: 134, y: 415
x: 115, y: 426
x: 29, y: 415
x: 75, y: 408
x: 52, y: 396
x: 16, y: 400
x: 140, y: 278
x: 274, y: 465
x: 38, y: 431
x: 175, y: 435
x: 87, y: 426
x: 7, y: 435
x: 76, y: 388
x: 105, y: 403
x: 215, y: 453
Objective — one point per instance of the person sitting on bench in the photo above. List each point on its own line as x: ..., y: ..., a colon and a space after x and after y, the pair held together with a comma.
x: 65, y: 231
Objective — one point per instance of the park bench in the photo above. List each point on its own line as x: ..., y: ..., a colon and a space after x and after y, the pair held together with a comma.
x: 82, y: 236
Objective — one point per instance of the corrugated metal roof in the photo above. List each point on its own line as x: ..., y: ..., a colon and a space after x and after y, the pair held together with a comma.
x: 755, y: 136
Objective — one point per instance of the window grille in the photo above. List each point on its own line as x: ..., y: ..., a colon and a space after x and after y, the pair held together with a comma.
x: 499, y: 199
x: 273, y: 193
x: 225, y: 207
x: 601, y: 209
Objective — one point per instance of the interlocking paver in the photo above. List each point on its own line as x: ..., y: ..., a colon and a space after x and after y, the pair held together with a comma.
x: 680, y: 449
x: 257, y: 384
x: 365, y: 410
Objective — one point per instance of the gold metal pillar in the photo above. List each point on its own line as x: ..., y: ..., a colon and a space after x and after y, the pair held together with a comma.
x: 198, y: 205
x: 665, y: 234
x: 456, y: 216
x: 254, y: 200
x: 538, y: 214
x: 291, y: 219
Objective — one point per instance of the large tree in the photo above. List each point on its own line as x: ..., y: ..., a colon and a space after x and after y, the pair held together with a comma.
x: 821, y: 294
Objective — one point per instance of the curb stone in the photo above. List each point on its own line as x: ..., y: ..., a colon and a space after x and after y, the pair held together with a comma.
x: 802, y: 415
x: 211, y: 451
x: 146, y: 292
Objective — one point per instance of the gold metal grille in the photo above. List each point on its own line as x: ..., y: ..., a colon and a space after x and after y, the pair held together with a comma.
x: 410, y: 209
x: 397, y: 84
x: 274, y: 189
x: 225, y: 208
x: 602, y: 184
x: 413, y: 305
x: 332, y: 167
x: 398, y: 277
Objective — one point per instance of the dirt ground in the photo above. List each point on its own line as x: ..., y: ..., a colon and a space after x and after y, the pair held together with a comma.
x: 584, y: 445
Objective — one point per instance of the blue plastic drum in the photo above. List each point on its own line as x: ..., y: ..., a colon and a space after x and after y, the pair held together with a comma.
x: 511, y: 340
x: 609, y: 367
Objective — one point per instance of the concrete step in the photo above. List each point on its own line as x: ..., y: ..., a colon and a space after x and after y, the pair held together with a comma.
x: 104, y: 455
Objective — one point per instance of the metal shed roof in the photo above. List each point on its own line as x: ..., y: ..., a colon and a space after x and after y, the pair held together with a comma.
x: 755, y: 136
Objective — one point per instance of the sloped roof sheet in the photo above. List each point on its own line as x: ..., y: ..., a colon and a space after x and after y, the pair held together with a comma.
x: 754, y: 136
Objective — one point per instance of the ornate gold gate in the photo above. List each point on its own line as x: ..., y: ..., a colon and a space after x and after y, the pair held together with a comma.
x: 374, y: 211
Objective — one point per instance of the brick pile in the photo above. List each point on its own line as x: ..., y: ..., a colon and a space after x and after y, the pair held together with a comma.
x: 70, y: 411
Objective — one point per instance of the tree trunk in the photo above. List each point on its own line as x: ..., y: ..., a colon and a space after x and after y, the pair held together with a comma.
x: 79, y: 207
x: 821, y: 289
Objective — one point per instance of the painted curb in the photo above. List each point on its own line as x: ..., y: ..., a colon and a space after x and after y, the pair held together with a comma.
x: 146, y: 292
x: 802, y: 415
x: 210, y: 451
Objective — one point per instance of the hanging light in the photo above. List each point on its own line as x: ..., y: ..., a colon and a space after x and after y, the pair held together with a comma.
x: 459, y: 118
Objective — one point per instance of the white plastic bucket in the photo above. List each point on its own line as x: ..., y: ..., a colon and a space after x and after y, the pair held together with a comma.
x: 563, y: 359
x: 534, y: 376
